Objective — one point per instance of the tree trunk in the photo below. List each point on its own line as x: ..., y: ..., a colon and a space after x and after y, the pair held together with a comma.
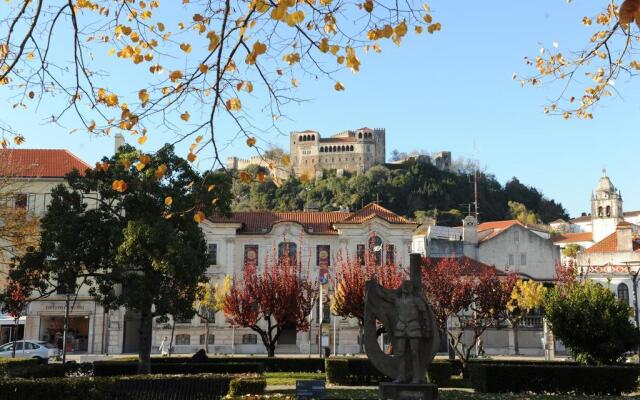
x: 15, y: 337
x: 65, y: 327
x: 271, y: 350
x: 145, y: 332
x: 360, y: 338
x: 206, y: 336
x: 516, y: 344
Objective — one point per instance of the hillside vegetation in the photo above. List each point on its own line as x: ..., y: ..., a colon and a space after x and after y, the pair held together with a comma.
x: 415, y: 190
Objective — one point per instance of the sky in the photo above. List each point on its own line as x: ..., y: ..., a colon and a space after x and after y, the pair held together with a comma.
x: 450, y: 91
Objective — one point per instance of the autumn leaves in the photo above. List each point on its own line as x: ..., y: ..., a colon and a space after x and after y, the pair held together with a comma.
x: 629, y: 12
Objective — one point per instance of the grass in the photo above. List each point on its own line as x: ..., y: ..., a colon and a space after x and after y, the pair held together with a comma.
x: 289, y: 378
x: 365, y: 394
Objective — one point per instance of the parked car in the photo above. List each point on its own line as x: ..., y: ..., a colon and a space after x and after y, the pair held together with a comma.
x: 29, y: 349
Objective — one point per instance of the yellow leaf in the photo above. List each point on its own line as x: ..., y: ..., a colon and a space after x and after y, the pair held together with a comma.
x: 338, y: 86
x: 199, y: 138
x: 142, y: 139
x: 185, y: 116
x: 285, y: 160
x: 199, y: 217
x: 175, y: 75
x: 18, y: 140
x: 161, y: 170
x: 245, y: 177
x: 140, y: 166
x: 168, y: 200
x: 119, y: 185
x: 251, y: 141
x: 160, y: 26
x: 143, y: 96
x: 234, y: 104
x: 191, y: 157
x: 295, y: 82
x: 368, y: 5
x: 186, y: 47
x: 203, y: 68
x: 211, y: 187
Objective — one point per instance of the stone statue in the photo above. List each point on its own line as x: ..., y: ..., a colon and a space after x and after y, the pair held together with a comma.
x: 408, y: 319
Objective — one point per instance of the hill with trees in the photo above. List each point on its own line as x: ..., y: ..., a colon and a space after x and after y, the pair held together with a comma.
x: 414, y: 189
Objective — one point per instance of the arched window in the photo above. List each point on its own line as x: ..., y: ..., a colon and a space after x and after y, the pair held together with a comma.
x: 313, y: 137
x: 608, y: 212
x: 287, y: 252
x: 334, y: 148
x: 342, y: 148
x: 599, y: 211
x: 359, y: 135
x: 623, y: 293
x: 376, y: 248
x: 301, y: 138
x: 321, y: 150
x: 351, y: 148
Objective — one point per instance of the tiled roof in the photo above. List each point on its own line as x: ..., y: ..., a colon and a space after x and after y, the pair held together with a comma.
x: 498, y: 224
x: 469, y: 265
x: 609, y: 245
x: 572, y: 237
x: 42, y: 163
x: 256, y: 222
x: 582, y: 218
x: 631, y: 213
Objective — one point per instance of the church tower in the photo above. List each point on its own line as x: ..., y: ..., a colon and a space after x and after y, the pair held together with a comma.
x: 606, y: 208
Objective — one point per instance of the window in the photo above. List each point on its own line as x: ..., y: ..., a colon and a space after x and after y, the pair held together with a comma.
x: 6, y: 347
x: 183, y: 339
x: 212, y: 253
x: 375, y: 246
x: 516, y: 236
x: 623, y: 293
x: 249, y: 338
x: 599, y: 211
x: 21, y: 201
x: 212, y: 339
x: 251, y: 255
x: 323, y: 255
x: 64, y: 289
x: 523, y: 259
x: 360, y: 253
x: 287, y: 252
x: 608, y: 211
x: 207, y: 315
x: 510, y: 259
x: 391, y: 254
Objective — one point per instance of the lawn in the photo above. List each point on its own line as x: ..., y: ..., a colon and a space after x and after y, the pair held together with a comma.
x: 360, y: 393
x: 289, y: 378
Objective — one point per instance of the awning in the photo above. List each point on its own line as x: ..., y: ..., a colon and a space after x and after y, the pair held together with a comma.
x: 9, y: 320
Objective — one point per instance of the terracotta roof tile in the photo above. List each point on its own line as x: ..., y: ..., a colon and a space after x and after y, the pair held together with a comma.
x: 256, y: 222
x: 498, y: 224
x: 572, y: 237
x: 42, y: 163
x: 609, y: 245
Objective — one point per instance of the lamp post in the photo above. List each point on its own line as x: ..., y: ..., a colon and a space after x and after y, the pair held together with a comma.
x: 633, y: 269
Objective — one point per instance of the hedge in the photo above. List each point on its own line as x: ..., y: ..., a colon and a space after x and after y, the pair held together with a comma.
x: 51, y: 370
x: 141, y: 387
x: 247, y: 385
x: 115, y: 368
x: 11, y: 366
x: 545, y: 378
x: 360, y: 371
x: 271, y: 364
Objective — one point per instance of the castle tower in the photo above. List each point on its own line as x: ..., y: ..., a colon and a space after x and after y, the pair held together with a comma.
x: 606, y: 208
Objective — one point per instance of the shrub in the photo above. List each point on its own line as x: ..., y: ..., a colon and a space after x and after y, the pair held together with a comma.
x: 147, y: 387
x: 51, y: 370
x: 10, y: 366
x: 247, y: 385
x: 115, y: 368
x: 274, y: 364
x: 360, y: 371
x: 605, y: 330
x: 513, y: 377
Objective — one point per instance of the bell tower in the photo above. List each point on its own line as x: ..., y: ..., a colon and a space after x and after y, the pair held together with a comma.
x: 606, y: 208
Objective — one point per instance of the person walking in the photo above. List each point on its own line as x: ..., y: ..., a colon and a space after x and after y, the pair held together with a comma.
x: 164, y: 347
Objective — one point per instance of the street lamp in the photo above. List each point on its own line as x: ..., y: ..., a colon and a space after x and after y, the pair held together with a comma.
x: 633, y: 269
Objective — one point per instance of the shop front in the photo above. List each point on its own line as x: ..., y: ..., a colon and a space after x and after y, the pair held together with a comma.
x: 8, y: 330
x: 52, y: 329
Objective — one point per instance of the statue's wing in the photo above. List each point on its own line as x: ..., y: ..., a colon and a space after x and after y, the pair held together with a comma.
x: 377, y: 307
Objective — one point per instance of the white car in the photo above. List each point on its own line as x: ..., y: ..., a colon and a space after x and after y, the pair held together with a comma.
x: 29, y: 349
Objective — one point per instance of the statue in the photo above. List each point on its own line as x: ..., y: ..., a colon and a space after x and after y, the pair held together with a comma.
x: 408, y: 319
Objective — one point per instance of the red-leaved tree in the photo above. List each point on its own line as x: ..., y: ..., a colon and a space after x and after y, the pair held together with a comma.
x: 351, y: 275
x: 267, y: 301
x: 473, y: 295
x: 16, y: 297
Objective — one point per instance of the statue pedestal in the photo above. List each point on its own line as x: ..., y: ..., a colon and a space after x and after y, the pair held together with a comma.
x: 407, y: 391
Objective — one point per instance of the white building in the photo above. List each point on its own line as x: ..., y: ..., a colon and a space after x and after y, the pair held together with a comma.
x: 246, y: 237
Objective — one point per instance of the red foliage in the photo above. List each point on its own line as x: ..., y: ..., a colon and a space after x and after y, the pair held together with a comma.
x: 475, y: 297
x: 280, y: 296
x: 565, y: 274
x: 350, y: 277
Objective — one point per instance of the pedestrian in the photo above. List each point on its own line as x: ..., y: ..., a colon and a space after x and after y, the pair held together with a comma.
x: 164, y: 347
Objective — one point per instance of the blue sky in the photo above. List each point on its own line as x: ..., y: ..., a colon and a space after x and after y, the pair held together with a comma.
x: 453, y: 91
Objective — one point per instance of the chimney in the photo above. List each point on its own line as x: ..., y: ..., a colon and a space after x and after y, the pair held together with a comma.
x: 470, y: 229
x: 624, y: 236
x: 118, y: 142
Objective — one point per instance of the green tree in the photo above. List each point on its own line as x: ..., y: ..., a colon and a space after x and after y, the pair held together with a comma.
x: 147, y: 253
x: 591, y: 322
x: 571, y: 250
x: 520, y: 212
